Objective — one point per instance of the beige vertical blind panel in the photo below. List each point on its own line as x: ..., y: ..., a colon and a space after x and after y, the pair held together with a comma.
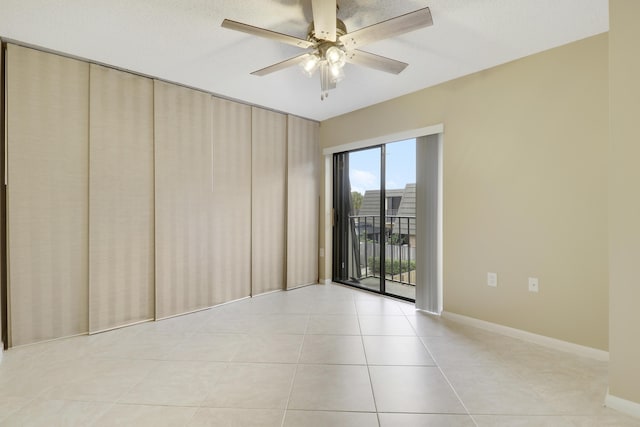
x: 48, y: 179
x: 184, y: 200
x: 231, y: 224
x: 268, y: 206
x: 121, y: 229
x: 303, y: 198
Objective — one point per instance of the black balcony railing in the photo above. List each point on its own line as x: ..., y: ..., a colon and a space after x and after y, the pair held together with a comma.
x: 396, y: 237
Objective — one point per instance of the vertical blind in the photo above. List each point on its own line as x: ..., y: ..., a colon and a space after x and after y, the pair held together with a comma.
x: 268, y: 213
x: 130, y: 199
x: 231, y: 237
x: 121, y: 237
x: 303, y: 199
x: 47, y: 195
x: 184, y: 202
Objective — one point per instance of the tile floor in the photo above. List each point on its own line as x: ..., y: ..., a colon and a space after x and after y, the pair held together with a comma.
x: 315, y: 356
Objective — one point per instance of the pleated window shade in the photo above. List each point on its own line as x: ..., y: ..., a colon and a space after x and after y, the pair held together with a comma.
x: 303, y: 199
x: 47, y: 195
x: 121, y: 199
x: 268, y: 200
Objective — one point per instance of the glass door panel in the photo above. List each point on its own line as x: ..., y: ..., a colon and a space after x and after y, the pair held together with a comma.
x: 400, y: 219
x: 358, y: 231
x: 375, y: 218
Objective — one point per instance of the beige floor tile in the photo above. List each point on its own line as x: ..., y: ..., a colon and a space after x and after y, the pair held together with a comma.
x: 176, y: 383
x: 183, y: 362
x: 102, y: 380
x: 147, y: 345
x: 568, y: 384
x: 567, y: 392
x: 145, y: 416
x: 333, y: 419
x: 31, y: 381
x: 413, y: 389
x: 188, y: 323
x: 333, y: 306
x: 555, y: 421
x: 10, y: 405
x: 386, y: 325
x: 252, y: 385
x: 378, y: 307
x: 270, y: 349
x: 461, y: 351
x: 425, y: 420
x: 221, y: 417
x: 408, y: 308
x: 332, y: 388
x: 280, y: 324
x: 331, y: 324
x: 56, y: 413
x: 208, y: 347
x: 228, y: 322
x: 427, y: 325
x: 495, y: 390
x: 333, y: 349
x: 392, y: 350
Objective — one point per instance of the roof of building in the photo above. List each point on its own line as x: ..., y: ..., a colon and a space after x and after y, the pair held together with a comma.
x: 407, y: 209
x: 371, y: 201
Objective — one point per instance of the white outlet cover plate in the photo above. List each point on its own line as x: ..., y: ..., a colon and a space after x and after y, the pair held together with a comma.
x: 533, y: 284
x: 492, y: 280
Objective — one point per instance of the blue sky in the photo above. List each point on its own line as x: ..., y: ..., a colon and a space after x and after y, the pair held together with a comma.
x: 364, y: 166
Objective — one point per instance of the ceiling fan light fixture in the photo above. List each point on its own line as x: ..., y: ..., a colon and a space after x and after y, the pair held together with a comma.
x: 336, y: 73
x: 335, y: 56
x: 310, y: 64
x: 329, y: 47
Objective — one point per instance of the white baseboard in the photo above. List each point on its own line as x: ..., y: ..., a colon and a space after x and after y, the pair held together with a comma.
x: 622, y: 405
x: 304, y: 285
x: 267, y: 293
x: 327, y: 281
x: 556, y: 344
x: 126, y: 325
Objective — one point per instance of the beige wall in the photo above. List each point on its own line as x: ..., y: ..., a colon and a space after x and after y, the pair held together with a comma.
x: 525, y: 148
x: 624, y: 202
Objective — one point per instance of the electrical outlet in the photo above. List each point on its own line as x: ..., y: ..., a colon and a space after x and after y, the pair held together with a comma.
x: 492, y: 280
x: 533, y: 284
x: 321, y: 252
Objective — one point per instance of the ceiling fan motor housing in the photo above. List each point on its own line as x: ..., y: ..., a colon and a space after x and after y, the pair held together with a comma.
x: 341, y: 30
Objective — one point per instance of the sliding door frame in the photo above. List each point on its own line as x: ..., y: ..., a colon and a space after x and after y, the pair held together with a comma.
x: 436, y: 288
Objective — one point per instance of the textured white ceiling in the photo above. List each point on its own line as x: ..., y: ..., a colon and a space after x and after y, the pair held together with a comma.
x: 182, y: 41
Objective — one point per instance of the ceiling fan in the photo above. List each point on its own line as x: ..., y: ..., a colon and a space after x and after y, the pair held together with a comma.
x: 329, y: 46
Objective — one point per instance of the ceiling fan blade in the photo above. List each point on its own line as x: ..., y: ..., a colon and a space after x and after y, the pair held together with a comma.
x: 280, y: 65
x: 377, y: 62
x: 389, y: 28
x: 267, y: 34
x: 324, y: 19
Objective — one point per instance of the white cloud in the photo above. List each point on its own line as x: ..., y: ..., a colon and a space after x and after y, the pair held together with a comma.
x: 363, y: 180
x: 391, y: 184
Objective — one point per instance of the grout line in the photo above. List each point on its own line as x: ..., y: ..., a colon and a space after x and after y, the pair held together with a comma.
x: 366, y: 360
x: 293, y: 380
x: 447, y: 380
x: 295, y: 372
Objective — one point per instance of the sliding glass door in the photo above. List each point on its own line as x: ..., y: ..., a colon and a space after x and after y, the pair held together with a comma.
x: 374, y: 223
